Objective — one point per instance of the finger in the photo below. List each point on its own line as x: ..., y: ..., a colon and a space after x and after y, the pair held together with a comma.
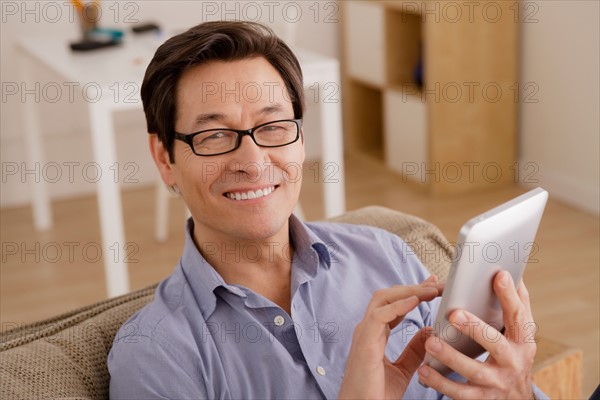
x: 400, y: 312
x: 454, y: 390
x: 438, y: 286
x: 523, y: 294
x: 514, y: 311
x: 377, y: 321
x: 432, y: 281
x: 492, y: 340
x: 386, y: 296
x: 473, y: 370
x: 427, y: 296
x: 413, y: 354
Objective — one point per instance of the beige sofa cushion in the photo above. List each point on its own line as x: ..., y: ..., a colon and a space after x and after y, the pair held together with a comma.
x: 65, y: 356
x: 425, y: 239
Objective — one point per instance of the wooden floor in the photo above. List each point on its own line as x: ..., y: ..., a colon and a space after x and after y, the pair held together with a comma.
x: 43, y: 274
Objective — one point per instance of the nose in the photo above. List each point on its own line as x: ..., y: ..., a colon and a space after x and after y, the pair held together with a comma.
x: 248, y: 148
x: 248, y: 158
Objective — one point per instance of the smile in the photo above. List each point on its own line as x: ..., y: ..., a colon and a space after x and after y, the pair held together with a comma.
x: 251, y: 194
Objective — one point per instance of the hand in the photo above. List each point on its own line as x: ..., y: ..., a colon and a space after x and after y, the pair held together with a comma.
x: 369, y: 374
x: 506, y: 373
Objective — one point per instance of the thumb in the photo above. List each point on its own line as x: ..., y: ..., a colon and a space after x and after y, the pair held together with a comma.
x: 413, y: 354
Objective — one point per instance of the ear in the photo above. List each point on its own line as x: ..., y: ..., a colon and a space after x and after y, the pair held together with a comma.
x: 160, y: 155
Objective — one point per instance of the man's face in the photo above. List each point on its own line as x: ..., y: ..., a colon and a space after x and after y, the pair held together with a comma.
x: 237, y: 95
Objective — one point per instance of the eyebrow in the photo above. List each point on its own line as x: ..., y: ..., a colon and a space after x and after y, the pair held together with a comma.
x: 203, y: 119
x: 272, y: 109
x: 208, y: 117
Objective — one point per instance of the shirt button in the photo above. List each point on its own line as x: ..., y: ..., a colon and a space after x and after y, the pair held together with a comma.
x: 321, y: 371
x: 279, y: 320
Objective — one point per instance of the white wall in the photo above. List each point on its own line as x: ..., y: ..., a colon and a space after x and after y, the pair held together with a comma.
x: 65, y: 123
x: 561, y: 132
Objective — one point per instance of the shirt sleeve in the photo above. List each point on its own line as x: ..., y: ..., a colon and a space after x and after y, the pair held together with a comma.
x: 141, y: 368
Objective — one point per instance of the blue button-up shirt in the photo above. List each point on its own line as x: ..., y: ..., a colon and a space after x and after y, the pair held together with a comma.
x: 203, y: 338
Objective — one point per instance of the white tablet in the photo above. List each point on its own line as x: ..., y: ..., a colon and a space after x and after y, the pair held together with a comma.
x: 500, y: 239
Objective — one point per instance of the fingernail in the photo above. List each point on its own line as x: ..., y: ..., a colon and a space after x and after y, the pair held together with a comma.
x: 504, y: 280
x: 459, y: 317
x: 423, y: 371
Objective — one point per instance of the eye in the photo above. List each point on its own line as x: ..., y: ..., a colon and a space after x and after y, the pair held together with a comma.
x: 271, y: 129
x: 213, y: 138
x: 216, y: 135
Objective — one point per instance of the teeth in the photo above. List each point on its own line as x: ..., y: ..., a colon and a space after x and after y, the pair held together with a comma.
x: 251, y: 194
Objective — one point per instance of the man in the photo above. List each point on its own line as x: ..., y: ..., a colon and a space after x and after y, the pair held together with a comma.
x: 262, y: 305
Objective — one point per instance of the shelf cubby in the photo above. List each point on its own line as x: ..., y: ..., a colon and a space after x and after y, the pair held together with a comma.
x: 443, y: 125
x: 403, y: 47
x: 365, y: 118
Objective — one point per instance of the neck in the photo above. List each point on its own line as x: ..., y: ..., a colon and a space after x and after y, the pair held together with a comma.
x: 262, y: 265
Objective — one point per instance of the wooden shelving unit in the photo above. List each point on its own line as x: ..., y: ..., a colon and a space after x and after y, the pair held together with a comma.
x: 458, y: 132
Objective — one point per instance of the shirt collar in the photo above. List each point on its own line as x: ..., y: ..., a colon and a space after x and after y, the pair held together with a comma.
x: 203, y: 278
x: 304, y: 239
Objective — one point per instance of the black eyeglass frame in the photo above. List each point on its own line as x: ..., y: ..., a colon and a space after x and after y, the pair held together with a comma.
x: 189, y: 137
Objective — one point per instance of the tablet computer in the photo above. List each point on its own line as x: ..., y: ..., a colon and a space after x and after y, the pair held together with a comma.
x: 500, y: 239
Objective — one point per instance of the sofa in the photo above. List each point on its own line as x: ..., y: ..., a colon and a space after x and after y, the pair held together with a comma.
x: 65, y: 356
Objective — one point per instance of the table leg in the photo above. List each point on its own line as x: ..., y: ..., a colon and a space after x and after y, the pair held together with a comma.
x: 162, y: 211
x: 40, y: 199
x: 332, y: 140
x: 114, y: 247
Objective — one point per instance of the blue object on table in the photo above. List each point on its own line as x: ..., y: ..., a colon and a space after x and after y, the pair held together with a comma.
x: 98, y: 38
x: 418, y: 72
x: 105, y: 33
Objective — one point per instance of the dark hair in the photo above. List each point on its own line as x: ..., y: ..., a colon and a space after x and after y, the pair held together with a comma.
x: 212, y: 41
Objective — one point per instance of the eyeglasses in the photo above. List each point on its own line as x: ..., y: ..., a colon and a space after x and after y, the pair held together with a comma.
x: 213, y: 142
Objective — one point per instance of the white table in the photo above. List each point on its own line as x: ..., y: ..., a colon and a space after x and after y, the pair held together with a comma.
x: 118, y: 72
